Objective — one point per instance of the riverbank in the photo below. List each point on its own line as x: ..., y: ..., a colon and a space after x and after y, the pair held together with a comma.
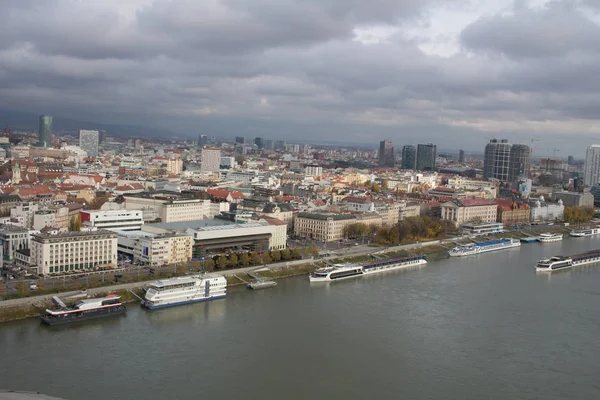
x: 436, y: 250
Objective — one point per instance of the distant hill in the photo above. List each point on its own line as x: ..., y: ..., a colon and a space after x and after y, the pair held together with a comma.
x: 20, y: 120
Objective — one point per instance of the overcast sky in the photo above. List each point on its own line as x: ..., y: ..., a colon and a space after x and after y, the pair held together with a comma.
x: 451, y: 72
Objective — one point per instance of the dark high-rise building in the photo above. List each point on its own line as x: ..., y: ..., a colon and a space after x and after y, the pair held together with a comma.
x: 202, y: 140
x: 519, y: 162
x: 426, y: 155
x: 461, y: 156
x: 386, y: 153
x: 102, y: 137
x: 258, y: 141
x: 497, y: 160
x: 279, y: 145
x: 570, y: 160
x: 240, y: 140
x: 409, y: 157
x: 45, y: 131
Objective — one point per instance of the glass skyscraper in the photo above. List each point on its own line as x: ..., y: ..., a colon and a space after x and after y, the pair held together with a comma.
x: 45, y: 131
x: 426, y: 155
x: 409, y: 157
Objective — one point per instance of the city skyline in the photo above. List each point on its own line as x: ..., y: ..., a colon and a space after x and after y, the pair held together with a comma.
x: 420, y: 70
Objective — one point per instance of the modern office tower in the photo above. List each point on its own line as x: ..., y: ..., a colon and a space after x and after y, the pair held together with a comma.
x: 102, y: 137
x: 258, y: 141
x: 570, y: 160
x: 202, y: 140
x: 240, y: 140
x: 386, y: 153
x: 88, y: 141
x: 280, y: 145
x: 211, y: 160
x: 591, y: 171
x: 519, y: 162
x: 461, y: 156
x: 409, y: 157
x: 268, y: 144
x: 426, y: 155
x: 497, y: 160
x: 45, y: 131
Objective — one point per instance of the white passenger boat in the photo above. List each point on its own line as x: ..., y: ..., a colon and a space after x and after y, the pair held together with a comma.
x: 560, y: 262
x: 345, y: 271
x: 483, y: 247
x: 184, y: 290
x: 585, y: 232
x: 550, y: 237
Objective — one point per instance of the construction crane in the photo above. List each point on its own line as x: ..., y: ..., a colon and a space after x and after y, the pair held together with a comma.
x: 533, y: 140
x: 554, y: 152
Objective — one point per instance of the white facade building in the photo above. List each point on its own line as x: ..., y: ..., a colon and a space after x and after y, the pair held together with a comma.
x: 22, y: 214
x: 171, y: 209
x: 43, y: 219
x: 591, y: 171
x: 313, y: 170
x: 211, y: 160
x: 89, y: 142
x: 114, y: 220
x: 542, y: 211
x: 73, y: 251
x: 156, y: 249
x: 174, y: 166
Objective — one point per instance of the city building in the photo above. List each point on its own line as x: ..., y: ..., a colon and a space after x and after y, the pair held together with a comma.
x: 552, y: 166
x: 461, y: 156
x: 519, y: 162
x: 481, y: 228
x: 114, y: 220
x: 22, y: 214
x: 155, y: 249
x: 325, y: 227
x: 217, y: 236
x: 512, y: 212
x: 386, y: 153
x: 211, y: 160
x: 45, y: 131
x: 574, y: 199
x: 202, y: 140
x: 426, y: 156
x: 279, y: 145
x: 313, y: 170
x: 89, y: 142
x: 545, y: 211
x: 461, y: 211
x: 227, y: 163
x: 174, y: 166
x: 13, y: 238
x: 53, y: 253
x: 591, y: 170
x: 497, y: 160
x: 258, y: 141
x: 409, y: 157
x: 43, y: 219
x: 170, y: 207
x: 240, y: 140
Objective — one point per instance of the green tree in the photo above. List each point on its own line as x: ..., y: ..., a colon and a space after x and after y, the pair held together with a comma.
x: 314, y: 250
x: 222, y: 262
x: 245, y: 259
x: 255, y: 258
x: 286, y: 254
x: 275, y: 255
x: 209, y: 265
x: 233, y: 260
x: 75, y: 223
x: 296, y: 254
x: 181, y: 268
x: 375, y: 188
x: 22, y: 289
x: 266, y: 258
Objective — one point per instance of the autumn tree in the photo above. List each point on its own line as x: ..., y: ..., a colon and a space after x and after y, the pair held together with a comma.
x: 255, y: 258
x: 244, y: 260
x: 233, y: 260
x: 222, y: 262
x: 22, y: 289
x: 275, y: 255
x: 266, y: 258
x: 286, y: 254
x: 75, y: 223
x: 209, y: 265
x: 296, y: 254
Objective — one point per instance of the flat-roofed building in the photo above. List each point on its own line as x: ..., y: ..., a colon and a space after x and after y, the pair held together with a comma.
x: 171, y: 207
x: 155, y: 249
x: 461, y: 211
x: 13, y: 238
x: 324, y: 226
x: 53, y: 253
x: 114, y: 220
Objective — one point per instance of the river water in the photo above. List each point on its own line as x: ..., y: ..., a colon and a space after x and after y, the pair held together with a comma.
x: 479, y: 327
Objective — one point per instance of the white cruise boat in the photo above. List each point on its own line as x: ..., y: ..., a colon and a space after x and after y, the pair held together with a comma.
x: 342, y: 271
x: 184, y: 290
x: 483, y: 247
x: 553, y: 264
x: 550, y: 237
x: 585, y: 232
x: 336, y: 272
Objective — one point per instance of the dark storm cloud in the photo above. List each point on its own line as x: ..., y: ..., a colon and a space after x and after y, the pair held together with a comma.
x: 288, y: 66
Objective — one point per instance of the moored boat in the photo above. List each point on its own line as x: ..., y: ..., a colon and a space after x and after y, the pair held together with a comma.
x: 184, y: 290
x: 559, y: 262
x: 585, y: 232
x: 550, y: 237
x: 344, y: 271
x: 483, y: 247
x: 84, y: 310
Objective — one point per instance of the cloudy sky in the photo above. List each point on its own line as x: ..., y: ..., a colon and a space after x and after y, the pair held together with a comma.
x: 453, y: 72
